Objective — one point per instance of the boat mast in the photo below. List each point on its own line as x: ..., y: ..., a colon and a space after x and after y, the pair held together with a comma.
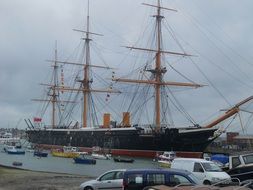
x: 86, y: 81
x: 158, y: 66
x: 55, y: 89
x: 158, y: 71
x: 54, y: 95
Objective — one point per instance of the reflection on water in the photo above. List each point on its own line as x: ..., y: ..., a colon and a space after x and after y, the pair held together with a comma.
x: 67, y: 165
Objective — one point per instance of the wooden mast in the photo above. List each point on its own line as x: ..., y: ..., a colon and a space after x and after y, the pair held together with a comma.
x: 54, y: 95
x: 53, y: 87
x: 86, y: 81
x: 158, y: 67
x: 55, y: 90
x: 158, y: 71
x: 86, y: 68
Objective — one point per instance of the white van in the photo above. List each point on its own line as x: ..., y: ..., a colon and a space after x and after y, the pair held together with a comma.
x: 207, y: 171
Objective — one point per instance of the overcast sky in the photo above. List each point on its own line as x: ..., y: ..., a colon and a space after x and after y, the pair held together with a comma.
x: 218, y: 32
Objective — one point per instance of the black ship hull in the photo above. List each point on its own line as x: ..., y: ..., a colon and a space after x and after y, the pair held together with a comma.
x: 127, y: 139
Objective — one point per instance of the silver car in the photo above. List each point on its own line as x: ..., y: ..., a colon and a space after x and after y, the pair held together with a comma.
x: 112, y: 179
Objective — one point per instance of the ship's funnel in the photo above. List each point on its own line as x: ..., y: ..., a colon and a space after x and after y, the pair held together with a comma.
x: 106, y: 120
x: 126, y: 119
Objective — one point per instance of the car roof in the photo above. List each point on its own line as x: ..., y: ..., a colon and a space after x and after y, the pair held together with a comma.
x: 192, y: 159
x: 115, y: 170
x: 152, y: 170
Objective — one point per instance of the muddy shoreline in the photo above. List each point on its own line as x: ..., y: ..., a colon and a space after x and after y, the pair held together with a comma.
x: 19, y: 179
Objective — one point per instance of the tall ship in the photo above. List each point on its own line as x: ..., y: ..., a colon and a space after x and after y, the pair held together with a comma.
x: 125, y: 138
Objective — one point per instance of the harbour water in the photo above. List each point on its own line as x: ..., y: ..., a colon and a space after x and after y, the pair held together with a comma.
x: 67, y: 165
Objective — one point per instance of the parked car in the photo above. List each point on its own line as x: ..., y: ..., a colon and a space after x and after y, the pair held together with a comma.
x: 137, y: 179
x: 112, y: 179
x: 206, y: 171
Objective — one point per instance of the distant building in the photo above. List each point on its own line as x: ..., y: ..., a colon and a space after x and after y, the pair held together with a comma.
x: 244, y: 141
x: 231, y: 136
x: 232, y: 142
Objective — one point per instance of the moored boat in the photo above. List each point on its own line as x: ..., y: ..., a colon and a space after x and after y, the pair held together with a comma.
x: 164, y: 163
x: 166, y: 156
x: 126, y: 160
x: 40, y: 153
x: 14, y: 150
x: 66, y: 152
x: 84, y: 160
x: 165, y: 159
x: 61, y: 153
x: 74, y: 149
x: 100, y: 156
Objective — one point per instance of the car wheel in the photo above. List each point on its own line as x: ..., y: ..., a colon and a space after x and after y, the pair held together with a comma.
x: 88, y: 188
x: 206, y: 182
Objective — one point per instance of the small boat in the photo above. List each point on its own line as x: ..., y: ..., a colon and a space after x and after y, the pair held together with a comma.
x: 100, y: 156
x: 11, y: 144
x: 166, y: 156
x: 84, y: 160
x: 164, y: 163
x: 40, y: 153
x: 14, y: 150
x: 15, y: 163
x: 126, y: 160
x: 61, y: 153
x: 75, y: 149
x: 164, y: 160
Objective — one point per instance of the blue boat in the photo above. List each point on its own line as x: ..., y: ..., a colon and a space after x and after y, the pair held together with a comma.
x: 40, y: 153
x: 84, y: 160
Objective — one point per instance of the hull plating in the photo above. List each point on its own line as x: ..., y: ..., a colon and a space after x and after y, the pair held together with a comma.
x: 194, y: 140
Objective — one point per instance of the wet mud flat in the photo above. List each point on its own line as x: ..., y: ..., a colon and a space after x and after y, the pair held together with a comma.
x: 18, y: 179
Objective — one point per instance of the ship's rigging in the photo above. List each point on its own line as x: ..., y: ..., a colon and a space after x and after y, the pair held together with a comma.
x: 157, y: 72
x: 53, y: 95
x: 85, y: 80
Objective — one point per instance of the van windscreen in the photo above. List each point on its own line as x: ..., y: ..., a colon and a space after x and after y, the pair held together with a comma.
x: 211, y: 167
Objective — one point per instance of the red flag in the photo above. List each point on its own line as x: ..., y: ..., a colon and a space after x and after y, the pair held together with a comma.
x: 37, y: 119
